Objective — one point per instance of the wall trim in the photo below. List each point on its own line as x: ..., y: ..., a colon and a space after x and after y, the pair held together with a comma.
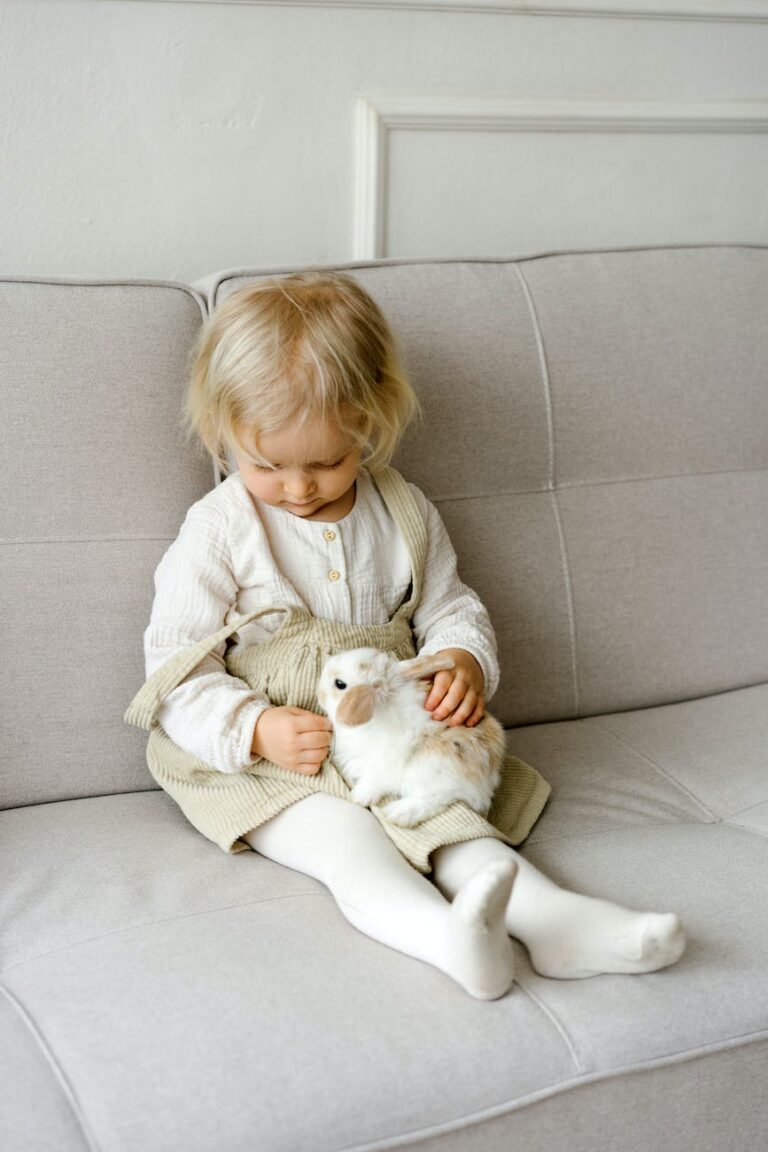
x: 376, y: 115
x: 738, y: 11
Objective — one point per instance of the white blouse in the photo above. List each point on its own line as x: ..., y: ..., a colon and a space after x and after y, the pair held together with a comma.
x: 235, y: 554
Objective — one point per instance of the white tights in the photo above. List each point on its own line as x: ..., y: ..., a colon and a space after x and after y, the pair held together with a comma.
x: 483, y: 893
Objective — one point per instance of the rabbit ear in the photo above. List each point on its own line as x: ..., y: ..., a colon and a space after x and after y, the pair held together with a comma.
x: 357, y: 705
x: 424, y: 667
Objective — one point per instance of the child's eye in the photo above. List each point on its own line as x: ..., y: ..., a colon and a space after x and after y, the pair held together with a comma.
x: 276, y: 467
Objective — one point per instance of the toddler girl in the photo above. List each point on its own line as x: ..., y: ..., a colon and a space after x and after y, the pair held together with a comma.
x: 311, y: 545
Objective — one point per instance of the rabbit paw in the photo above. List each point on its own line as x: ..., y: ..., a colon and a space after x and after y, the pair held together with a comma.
x: 365, y: 795
x: 408, y: 811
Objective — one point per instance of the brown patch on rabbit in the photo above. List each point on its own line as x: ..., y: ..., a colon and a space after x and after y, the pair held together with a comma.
x: 474, y: 749
x: 357, y: 705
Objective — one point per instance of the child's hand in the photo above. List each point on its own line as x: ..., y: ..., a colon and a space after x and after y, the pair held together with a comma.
x: 292, y: 738
x: 458, y: 693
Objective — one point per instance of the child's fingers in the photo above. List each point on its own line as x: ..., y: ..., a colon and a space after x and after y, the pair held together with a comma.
x: 464, y: 710
x: 311, y: 756
x: 437, y: 692
x: 309, y: 767
x: 309, y: 741
x: 451, y: 700
x: 311, y: 722
x: 478, y: 713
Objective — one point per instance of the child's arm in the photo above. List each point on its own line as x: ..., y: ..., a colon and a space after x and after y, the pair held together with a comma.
x: 451, y: 617
x: 211, y: 714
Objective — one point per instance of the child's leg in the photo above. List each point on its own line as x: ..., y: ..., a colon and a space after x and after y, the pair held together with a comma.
x: 567, y: 935
x: 381, y: 894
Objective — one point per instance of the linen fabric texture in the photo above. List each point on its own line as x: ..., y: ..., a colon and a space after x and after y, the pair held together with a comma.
x: 285, y: 669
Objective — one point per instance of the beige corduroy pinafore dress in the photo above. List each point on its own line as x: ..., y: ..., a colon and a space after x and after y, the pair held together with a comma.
x: 286, y: 668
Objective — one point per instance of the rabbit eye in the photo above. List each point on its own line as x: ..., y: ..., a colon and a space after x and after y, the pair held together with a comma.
x: 339, y: 684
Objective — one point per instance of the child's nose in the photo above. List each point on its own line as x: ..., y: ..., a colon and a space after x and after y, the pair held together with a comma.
x: 299, y: 484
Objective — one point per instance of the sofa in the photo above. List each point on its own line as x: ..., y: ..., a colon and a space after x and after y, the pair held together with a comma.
x: 596, y: 441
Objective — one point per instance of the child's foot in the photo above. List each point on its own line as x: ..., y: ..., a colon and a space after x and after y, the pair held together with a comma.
x: 479, y: 950
x: 594, y: 936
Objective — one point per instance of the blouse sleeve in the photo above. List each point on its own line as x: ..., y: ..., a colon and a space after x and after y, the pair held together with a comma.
x: 211, y: 714
x: 449, y: 614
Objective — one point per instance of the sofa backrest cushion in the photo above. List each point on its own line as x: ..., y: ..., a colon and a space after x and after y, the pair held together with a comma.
x: 596, y: 441
x: 96, y: 479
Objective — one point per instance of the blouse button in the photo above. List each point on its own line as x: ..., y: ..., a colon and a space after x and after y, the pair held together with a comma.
x: 329, y: 534
x: 333, y: 574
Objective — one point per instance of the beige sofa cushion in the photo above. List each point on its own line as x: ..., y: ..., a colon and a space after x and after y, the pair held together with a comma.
x: 96, y: 478
x: 196, y: 1000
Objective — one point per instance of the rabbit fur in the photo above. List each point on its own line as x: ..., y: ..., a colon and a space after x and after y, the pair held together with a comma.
x: 386, y: 743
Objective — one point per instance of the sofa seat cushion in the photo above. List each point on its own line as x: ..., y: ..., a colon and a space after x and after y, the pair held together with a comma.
x: 160, y: 994
x: 702, y: 760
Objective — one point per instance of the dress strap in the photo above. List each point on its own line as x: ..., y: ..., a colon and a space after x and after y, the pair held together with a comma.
x: 146, y: 703
x: 402, y: 505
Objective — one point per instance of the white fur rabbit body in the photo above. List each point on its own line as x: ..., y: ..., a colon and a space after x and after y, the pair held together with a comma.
x: 387, y: 744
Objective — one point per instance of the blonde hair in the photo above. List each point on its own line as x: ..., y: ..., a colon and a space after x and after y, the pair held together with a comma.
x: 298, y: 347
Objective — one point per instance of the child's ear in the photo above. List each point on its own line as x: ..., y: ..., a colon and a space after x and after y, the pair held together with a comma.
x: 424, y: 667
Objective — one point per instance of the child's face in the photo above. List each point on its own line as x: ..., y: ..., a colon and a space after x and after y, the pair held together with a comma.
x: 309, y: 471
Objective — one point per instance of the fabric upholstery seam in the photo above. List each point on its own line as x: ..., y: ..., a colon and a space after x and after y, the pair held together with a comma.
x: 221, y: 277
x: 97, y: 282
x: 745, y: 827
x: 151, y: 923
x: 743, y: 811
x: 555, y: 1020
x: 552, y: 486
x: 529, y: 843
x: 570, y: 602
x: 497, y: 1111
x: 8, y: 540
x: 567, y: 485
x: 58, y: 1071
x: 544, y: 369
x: 436, y: 499
x: 662, y: 771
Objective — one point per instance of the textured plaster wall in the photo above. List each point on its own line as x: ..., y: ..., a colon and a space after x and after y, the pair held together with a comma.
x: 172, y: 139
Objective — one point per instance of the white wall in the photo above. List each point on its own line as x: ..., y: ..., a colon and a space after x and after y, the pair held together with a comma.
x: 171, y: 139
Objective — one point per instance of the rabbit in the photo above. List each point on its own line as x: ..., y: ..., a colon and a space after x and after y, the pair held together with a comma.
x: 386, y: 743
